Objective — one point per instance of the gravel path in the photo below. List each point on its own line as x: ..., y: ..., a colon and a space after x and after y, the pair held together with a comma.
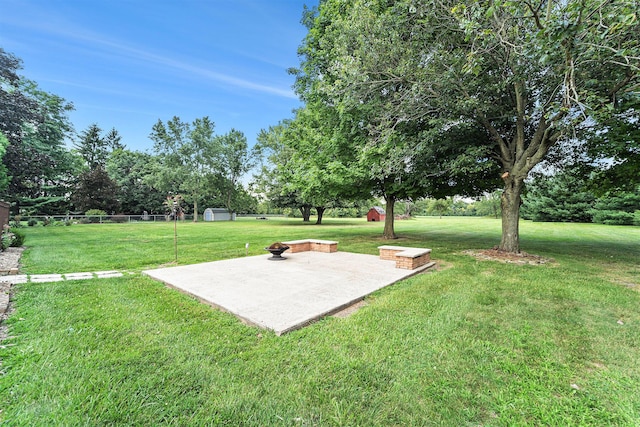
x: 9, y: 260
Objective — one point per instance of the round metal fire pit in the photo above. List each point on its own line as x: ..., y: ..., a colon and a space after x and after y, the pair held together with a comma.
x: 276, y: 250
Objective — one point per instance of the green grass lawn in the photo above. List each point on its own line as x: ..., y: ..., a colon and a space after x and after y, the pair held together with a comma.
x: 474, y: 343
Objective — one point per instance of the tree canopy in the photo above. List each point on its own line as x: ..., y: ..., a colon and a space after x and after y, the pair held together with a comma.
x: 273, y: 181
x: 525, y: 72
x: 132, y: 172
x: 613, y: 145
x: 233, y: 160
x: 186, y: 154
x: 35, y: 124
x: 403, y: 100
x: 96, y: 190
x: 196, y: 162
x: 39, y: 174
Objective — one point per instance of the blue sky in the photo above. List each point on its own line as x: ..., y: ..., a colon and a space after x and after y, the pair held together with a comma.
x: 128, y: 63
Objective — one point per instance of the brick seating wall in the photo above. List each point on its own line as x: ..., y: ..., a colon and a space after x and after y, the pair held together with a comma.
x: 389, y: 254
x: 298, y: 247
x: 326, y: 246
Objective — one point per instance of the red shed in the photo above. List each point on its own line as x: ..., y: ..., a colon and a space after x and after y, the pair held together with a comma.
x: 376, y: 213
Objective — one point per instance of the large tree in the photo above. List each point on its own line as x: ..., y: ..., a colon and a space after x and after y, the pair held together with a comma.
x: 187, y: 154
x: 409, y: 164
x: 277, y: 169
x: 132, y: 172
x: 233, y: 160
x: 306, y: 166
x: 396, y: 158
x: 36, y: 124
x: 94, y: 148
x: 323, y: 169
x: 525, y: 71
x: 96, y: 190
x: 17, y: 107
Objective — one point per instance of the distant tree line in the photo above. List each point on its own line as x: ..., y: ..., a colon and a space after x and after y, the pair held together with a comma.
x: 558, y: 198
x: 40, y: 175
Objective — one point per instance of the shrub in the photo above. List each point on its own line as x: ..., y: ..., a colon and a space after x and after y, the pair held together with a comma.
x: 98, y: 212
x: 32, y: 222
x: 11, y: 239
x: 613, y: 217
x: 93, y: 215
x: 18, y: 239
x: 16, y: 223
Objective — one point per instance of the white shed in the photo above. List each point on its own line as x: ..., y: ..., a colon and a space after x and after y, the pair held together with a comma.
x: 218, y: 214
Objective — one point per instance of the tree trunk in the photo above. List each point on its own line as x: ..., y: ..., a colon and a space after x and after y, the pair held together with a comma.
x: 195, y: 209
x: 228, y: 205
x: 306, y: 213
x: 510, y: 203
x: 320, y: 213
x: 389, y: 232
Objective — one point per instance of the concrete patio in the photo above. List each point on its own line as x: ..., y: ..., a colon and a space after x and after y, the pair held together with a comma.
x: 284, y: 295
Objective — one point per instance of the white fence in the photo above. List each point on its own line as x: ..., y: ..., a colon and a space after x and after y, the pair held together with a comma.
x: 94, y: 219
x: 100, y: 219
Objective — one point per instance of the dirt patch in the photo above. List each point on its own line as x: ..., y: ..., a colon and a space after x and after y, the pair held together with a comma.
x: 440, y: 265
x: 349, y: 310
x: 508, y: 257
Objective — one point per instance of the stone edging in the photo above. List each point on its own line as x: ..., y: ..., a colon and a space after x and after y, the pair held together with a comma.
x: 42, y: 278
x: 7, y: 281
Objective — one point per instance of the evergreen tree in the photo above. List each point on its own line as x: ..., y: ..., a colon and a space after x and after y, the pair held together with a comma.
x: 563, y: 197
x: 95, y: 148
x: 617, y: 209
